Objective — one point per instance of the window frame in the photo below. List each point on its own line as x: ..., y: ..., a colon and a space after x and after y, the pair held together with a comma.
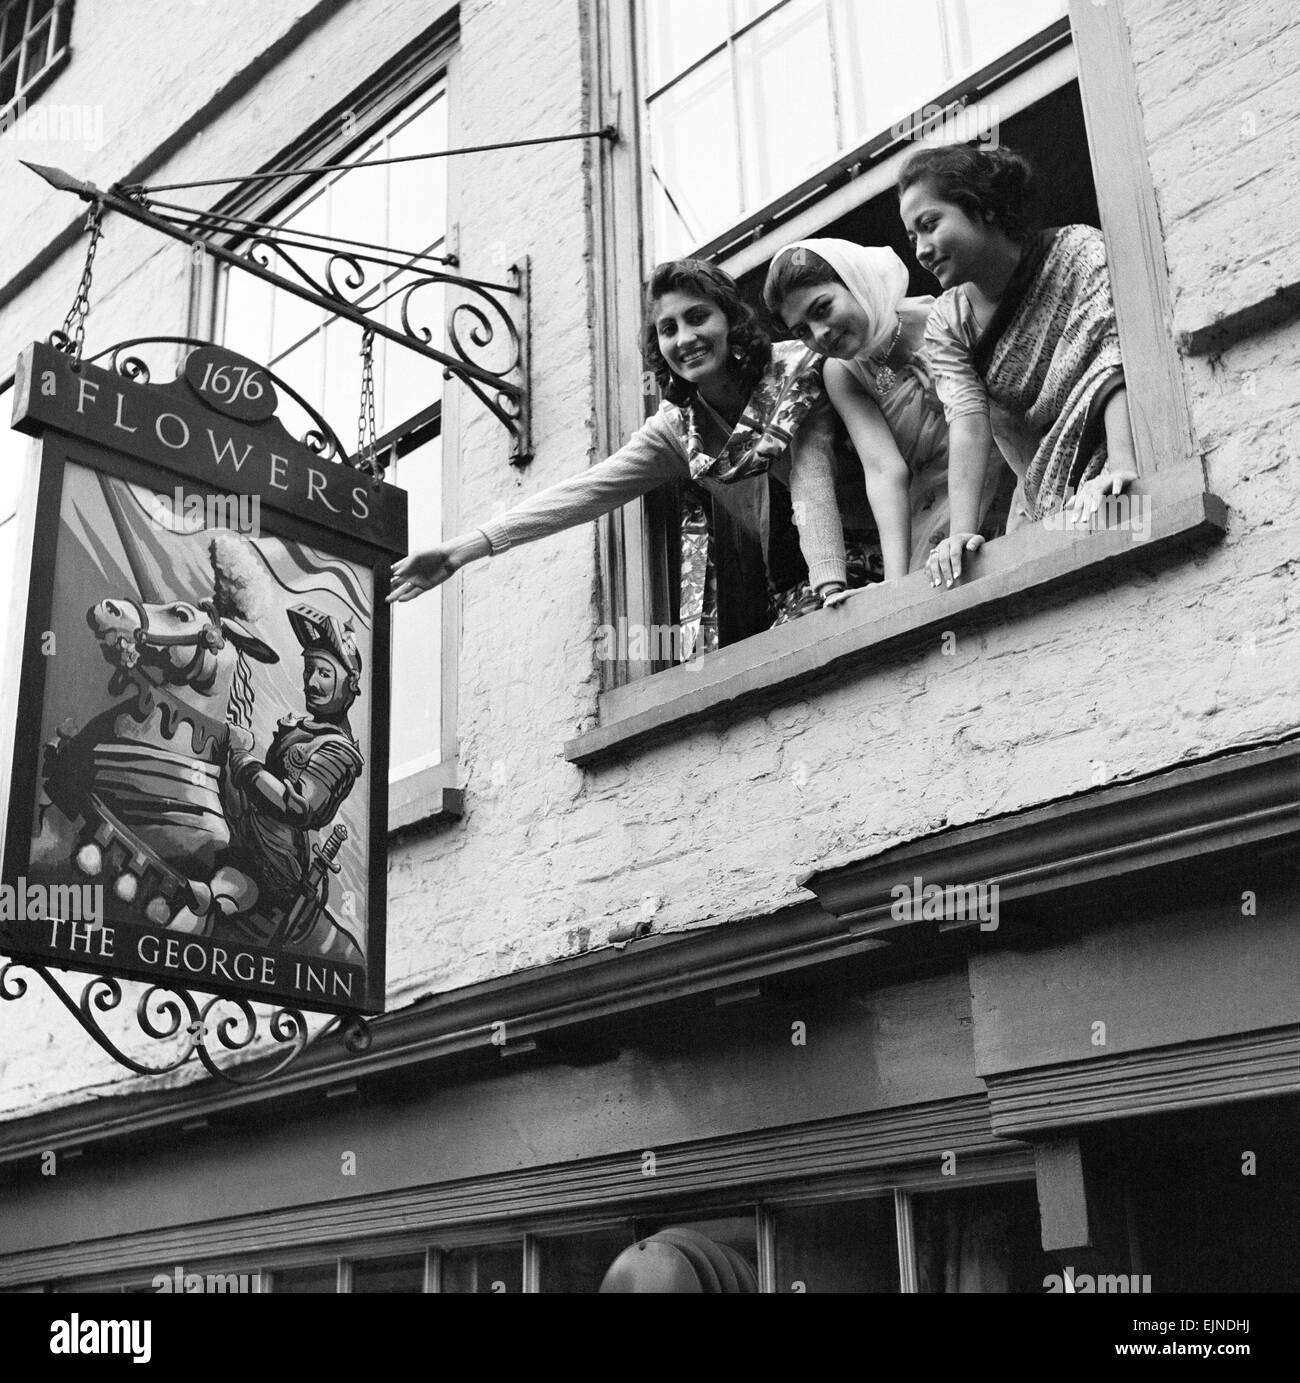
x: 636, y: 708
x: 899, y: 1183
x: 432, y: 795
x: 58, y: 51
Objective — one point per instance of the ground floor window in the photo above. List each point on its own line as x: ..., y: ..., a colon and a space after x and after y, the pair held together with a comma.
x: 883, y: 1239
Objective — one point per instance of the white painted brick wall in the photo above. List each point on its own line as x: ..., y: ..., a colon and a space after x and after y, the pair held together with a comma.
x: 1217, y: 84
x: 1144, y: 671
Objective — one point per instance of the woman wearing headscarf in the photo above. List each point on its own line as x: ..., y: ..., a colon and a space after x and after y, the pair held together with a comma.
x: 849, y: 302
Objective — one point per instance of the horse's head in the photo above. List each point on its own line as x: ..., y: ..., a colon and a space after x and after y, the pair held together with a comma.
x: 182, y: 643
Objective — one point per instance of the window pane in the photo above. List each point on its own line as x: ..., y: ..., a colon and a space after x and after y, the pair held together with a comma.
x: 579, y: 1262
x: 292, y: 317
x: 318, y: 1277
x: 694, y: 173
x: 341, y: 397
x: 680, y: 32
x: 416, y: 727
x: 490, y: 1268
x: 847, y: 1246
x: 787, y: 99
x: 989, y: 28
x: 418, y: 211
x: 748, y: 10
x: 38, y: 42
x: 409, y: 383
x: 405, y: 1274
x: 248, y: 315
x: 890, y: 62
x: 986, y: 1239
x: 303, y: 368
x: 358, y: 203
x: 8, y: 79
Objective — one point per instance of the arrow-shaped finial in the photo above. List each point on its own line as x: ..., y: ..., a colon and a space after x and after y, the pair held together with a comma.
x: 65, y: 182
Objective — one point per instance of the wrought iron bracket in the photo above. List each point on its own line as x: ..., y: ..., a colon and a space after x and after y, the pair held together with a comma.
x: 195, y: 1024
x: 355, y: 285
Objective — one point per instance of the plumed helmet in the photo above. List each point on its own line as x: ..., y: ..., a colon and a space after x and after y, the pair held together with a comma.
x: 320, y: 633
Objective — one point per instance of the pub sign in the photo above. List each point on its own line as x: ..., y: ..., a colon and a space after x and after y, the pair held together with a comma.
x: 199, y: 789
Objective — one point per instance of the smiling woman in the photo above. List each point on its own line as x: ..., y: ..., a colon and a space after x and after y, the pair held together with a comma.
x: 848, y: 302
x: 736, y: 409
x: 1024, y: 344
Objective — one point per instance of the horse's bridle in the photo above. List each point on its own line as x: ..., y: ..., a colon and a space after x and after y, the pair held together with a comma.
x: 208, y: 639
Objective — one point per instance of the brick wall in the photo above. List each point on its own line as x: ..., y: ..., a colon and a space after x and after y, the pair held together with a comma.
x: 1217, y: 84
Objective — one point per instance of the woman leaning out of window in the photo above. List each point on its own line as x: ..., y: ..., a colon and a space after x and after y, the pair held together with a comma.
x: 735, y: 407
x: 1022, y: 344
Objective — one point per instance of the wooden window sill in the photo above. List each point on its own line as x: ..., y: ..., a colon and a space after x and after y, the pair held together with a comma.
x: 771, y: 665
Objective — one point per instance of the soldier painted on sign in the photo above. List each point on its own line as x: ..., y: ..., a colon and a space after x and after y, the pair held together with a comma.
x: 310, y: 768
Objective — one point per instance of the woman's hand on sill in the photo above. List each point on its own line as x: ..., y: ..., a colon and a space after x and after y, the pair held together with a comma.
x: 1091, y: 493
x: 944, y: 563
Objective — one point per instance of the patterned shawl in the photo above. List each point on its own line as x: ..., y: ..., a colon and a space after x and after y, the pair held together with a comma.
x: 790, y: 387
x: 783, y: 397
x: 1051, y: 353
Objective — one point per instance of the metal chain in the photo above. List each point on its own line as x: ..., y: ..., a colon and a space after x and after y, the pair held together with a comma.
x: 73, y: 336
x: 367, y: 432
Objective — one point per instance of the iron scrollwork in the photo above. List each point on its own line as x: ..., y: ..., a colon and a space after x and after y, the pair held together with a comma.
x: 321, y: 438
x: 474, y: 325
x: 197, y: 1024
x: 250, y: 246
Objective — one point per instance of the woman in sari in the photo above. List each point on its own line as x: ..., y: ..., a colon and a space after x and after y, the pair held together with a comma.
x: 849, y: 302
x: 1023, y: 344
x: 736, y: 408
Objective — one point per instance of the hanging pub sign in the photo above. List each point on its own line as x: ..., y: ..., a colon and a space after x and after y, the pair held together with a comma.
x: 199, y: 792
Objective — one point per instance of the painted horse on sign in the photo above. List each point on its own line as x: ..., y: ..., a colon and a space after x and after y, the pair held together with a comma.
x: 143, y: 778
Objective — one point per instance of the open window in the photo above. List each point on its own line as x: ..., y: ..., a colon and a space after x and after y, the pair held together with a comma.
x: 766, y: 123
x: 402, y: 207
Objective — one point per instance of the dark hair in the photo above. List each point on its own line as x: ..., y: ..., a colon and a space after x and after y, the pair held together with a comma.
x: 749, y: 344
x: 794, y: 268
x: 980, y: 181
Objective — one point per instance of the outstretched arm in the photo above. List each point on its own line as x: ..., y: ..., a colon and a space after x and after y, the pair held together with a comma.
x: 886, y: 472
x: 650, y: 458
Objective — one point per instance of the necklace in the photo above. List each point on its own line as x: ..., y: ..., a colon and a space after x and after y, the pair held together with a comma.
x: 886, y: 377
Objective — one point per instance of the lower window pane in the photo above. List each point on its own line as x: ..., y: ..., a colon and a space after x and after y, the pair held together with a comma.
x: 845, y: 1246
x: 319, y: 1277
x: 404, y: 1274
x: 986, y: 1239
x: 489, y: 1268
x: 579, y: 1262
